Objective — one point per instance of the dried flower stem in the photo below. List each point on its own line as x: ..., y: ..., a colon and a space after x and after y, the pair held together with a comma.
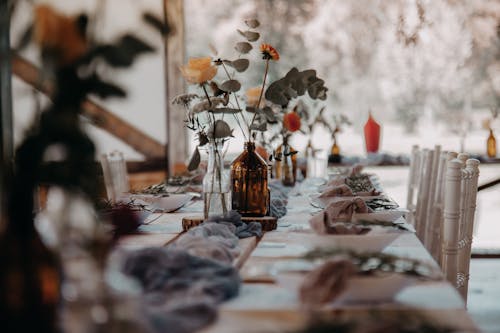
x: 206, y: 94
x: 237, y: 104
x: 260, y: 98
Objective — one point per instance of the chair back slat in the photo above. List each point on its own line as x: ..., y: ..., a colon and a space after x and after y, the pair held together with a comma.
x: 413, y: 181
x: 423, y: 193
x: 429, y: 225
x: 436, y: 217
x: 449, y: 259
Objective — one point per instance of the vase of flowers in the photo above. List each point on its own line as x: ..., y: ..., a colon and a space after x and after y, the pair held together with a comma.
x: 205, y: 115
x: 249, y: 172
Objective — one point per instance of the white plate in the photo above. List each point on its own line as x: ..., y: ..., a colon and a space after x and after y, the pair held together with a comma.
x: 359, y: 289
x: 319, y: 202
x: 389, y: 215
x: 378, y: 288
x: 163, y: 204
x: 296, y: 244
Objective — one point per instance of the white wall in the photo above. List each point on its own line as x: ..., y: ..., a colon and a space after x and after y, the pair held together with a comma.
x: 144, y: 106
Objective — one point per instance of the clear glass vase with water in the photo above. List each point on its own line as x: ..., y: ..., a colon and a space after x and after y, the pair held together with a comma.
x: 216, y: 183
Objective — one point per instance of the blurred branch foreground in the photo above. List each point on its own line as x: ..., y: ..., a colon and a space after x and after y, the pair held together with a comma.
x: 102, y: 118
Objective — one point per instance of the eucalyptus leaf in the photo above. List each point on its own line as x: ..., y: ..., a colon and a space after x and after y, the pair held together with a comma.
x: 225, y: 110
x: 231, y: 86
x: 243, y: 47
x: 252, y: 23
x: 202, y: 138
x: 294, y: 84
x: 251, y: 36
x: 262, y: 127
x: 259, y: 124
x: 269, y: 114
x: 194, y: 162
x: 206, y: 105
x: 219, y: 130
x: 201, y: 106
x: 251, y: 109
x: 240, y: 64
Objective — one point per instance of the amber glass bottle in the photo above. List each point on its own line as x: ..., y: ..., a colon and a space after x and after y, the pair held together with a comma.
x: 29, y: 279
x: 286, y: 167
x: 250, y: 193
x: 334, y: 156
x: 491, y: 145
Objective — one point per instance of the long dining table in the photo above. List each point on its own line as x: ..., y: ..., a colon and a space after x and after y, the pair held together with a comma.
x: 269, y: 302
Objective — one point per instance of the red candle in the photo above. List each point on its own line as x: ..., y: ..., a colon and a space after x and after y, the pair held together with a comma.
x: 372, y: 134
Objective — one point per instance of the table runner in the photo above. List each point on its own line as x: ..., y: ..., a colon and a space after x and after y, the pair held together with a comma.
x: 270, y: 307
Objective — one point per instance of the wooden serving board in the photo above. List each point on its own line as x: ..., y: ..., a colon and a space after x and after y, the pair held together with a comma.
x: 268, y: 222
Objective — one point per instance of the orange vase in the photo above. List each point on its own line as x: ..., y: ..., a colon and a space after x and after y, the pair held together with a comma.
x: 372, y: 135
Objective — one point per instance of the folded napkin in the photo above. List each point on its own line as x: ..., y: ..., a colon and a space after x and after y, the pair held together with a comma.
x: 241, y: 229
x: 326, y: 221
x: 327, y: 281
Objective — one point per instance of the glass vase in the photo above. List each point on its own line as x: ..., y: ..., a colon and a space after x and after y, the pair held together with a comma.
x: 250, y: 193
x: 216, y: 184
x: 286, y: 165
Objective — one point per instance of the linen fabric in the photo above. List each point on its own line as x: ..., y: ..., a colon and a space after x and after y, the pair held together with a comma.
x: 181, y: 291
x: 327, y: 220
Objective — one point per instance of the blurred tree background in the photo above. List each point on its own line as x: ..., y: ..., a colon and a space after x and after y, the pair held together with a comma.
x: 407, y: 58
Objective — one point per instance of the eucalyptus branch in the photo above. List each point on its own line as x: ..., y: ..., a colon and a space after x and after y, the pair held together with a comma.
x: 376, y: 262
x: 237, y: 105
x: 206, y: 93
x: 260, y: 96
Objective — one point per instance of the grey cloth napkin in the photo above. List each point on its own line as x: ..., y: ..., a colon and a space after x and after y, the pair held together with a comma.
x: 242, y: 229
x: 181, y: 291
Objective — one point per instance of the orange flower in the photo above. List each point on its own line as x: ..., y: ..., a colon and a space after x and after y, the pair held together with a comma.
x: 199, y: 70
x: 291, y: 121
x: 269, y: 52
x: 59, y: 33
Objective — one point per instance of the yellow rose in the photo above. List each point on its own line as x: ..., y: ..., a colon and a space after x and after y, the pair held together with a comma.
x: 199, y: 70
x: 253, y: 97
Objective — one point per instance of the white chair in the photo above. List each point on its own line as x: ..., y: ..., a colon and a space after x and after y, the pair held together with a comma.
x: 413, y: 181
x: 435, y: 225
x: 429, y: 163
x: 459, y: 208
